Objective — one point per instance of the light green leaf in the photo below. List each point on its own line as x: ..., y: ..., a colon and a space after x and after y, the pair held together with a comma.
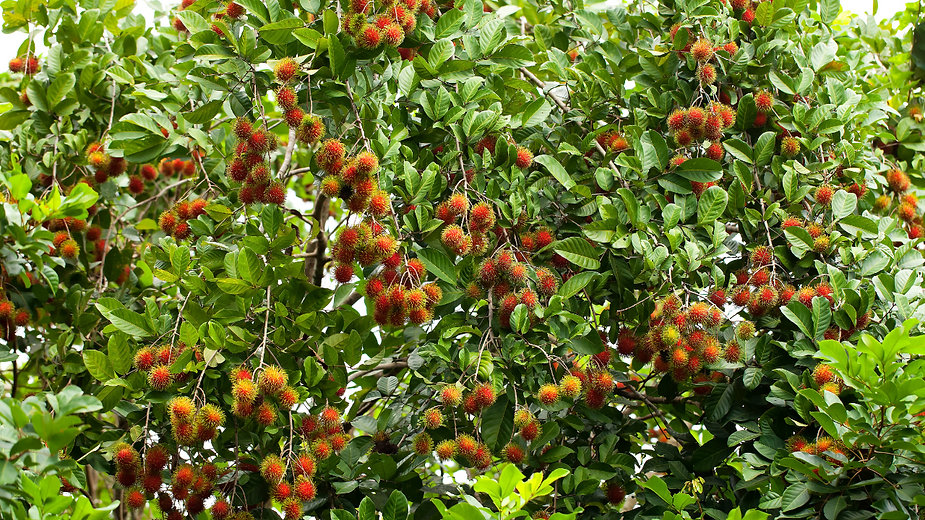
x: 438, y: 264
x: 711, y: 205
x: 578, y: 251
x: 556, y: 169
x: 98, y: 365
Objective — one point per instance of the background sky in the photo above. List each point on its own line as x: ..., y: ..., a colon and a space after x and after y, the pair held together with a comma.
x: 9, y: 43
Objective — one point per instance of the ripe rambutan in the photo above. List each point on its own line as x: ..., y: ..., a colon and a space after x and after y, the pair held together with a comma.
x: 706, y: 73
x: 790, y: 146
x: 702, y: 50
x: 524, y: 158
x: 285, y: 70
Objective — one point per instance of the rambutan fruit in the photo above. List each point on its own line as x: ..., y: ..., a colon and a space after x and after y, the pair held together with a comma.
x: 898, y: 181
x: 677, y: 120
x: 286, y: 98
x: 310, y: 130
x: 790, y: 146
x: 343, y: 272
x: 824, y: 195
x: 160, y: 377
x: 422, y: 444
x: 548, y: 394
x: 702, y: 50
x: 531, y: 431
x: 745, y: 330
x: 524, y: 158
x: 446, y: 450
x: 706, y: 73
x: 285, y: 70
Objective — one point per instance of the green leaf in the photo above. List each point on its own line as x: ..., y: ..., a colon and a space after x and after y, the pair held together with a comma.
x: 822, y: 316
x: 658, y: 485
x: 98, y: 365
x: 203, y: 114
x: 632, y: 206
x: 441, y: 51
x: 513, y: 56
x: 520, y: 321
x: 130, y: 323
x: 233, y: 285
x: 59, y: 88
x: 700, y: 170
x: 557, y: 171
x: 498, y: 418
x: 578, y: 251
x: 764, y: 148
x: 575, y: 284
x: 535, y: 112
x: 120, y: 355
x: 250, y: 266
x: 396, y: 508
x: 438, y: 264
x: 556, y: 453
x: 281, y: 32
x: 856, y: 224
x: 874, y: 262
x: 843, y: 204
x: 802, y: 317
x: 448, y: 24
x: 711, y: 205
x: 13, y: 118
x: 193, y: 21
x: 738, y: 149
x: 794, y: 497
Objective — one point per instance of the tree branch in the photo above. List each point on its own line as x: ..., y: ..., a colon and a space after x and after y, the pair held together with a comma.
x: 381, y: 368
x: 287, y: 158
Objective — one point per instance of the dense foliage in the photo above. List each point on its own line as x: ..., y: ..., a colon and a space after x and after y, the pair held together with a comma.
x: 472, y: 260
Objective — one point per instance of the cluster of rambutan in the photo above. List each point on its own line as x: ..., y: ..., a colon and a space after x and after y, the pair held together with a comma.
x: 682, y: 340
x: 248, y: 166
x: 104, y: 165
x: 29, y: 65
x: 169, y: 168
x: 400, y: 296
x: 368, y: 244
x: 819, y: 447
x: 821, y: 239
x: 537, y: 240
x: 745, y: 8
x: 695, y: 124
x: 156, y: 362
x: 11, y: 317
x: 174, y: 221
x: 389, y: 26
x: 253, y: 399
x: 613, y: 141
x: 904, y: 204
x: 191, y: 425
x: 192, y: 485
x: 824, y: 379
x: 352, y: 179
x: 64, y: 244
x: 592, y: 381
x: 323, y: 436
x: 507, y: 279
x: 464, y: 447
x: 290, y: 494
x: 232, y: 11
x: 478, y: 219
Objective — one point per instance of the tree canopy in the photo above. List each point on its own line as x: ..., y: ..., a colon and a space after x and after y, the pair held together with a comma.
x: 462, y: 259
